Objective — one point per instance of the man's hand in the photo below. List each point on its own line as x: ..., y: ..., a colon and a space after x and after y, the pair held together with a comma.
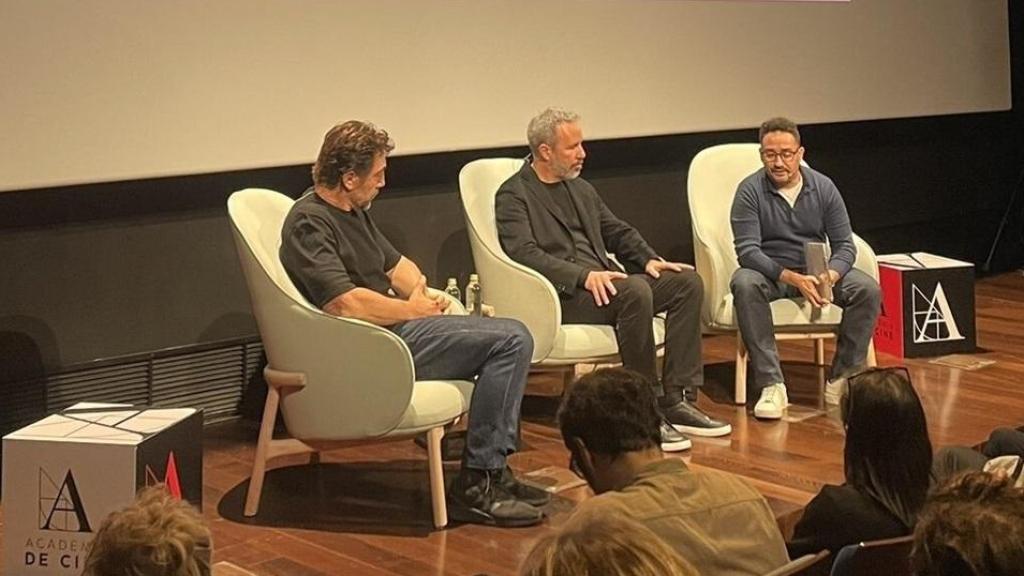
x: 599, y: 283
x: 807, y: 285
x: 655, y: 267
x: 423, y: 304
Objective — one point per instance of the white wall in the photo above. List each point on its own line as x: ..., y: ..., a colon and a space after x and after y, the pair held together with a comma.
x: 103, y: 90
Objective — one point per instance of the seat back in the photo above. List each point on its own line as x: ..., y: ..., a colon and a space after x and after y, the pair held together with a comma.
x: 347, y: 396
x: 714, y: 175
x: 808, y: 565
x: 890, y: 557
x: 514, y: 290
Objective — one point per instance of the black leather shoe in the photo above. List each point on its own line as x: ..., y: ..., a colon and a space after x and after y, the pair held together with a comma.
x: 690, y: 395
x: 672, y: 440
x: 478, y: 497
x: 523, y: 492
x: 687, y: 418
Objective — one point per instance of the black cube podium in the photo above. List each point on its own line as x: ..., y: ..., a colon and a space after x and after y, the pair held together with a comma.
x: 927, y: 305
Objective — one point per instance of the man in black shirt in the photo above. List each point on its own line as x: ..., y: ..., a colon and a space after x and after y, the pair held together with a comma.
x: 553, y: 221
x: 340, y: 262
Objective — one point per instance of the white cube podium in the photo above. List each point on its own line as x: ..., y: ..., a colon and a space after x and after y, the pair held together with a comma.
x: 65, y: 473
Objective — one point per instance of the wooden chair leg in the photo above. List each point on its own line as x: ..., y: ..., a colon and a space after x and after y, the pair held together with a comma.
x: 741, y: 371
x: 259, y: 463
x: 436, y: 468
x: 819, y: 351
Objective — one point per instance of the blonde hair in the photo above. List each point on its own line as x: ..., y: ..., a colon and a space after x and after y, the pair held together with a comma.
x: 604, y: 546
x: 155, y: 536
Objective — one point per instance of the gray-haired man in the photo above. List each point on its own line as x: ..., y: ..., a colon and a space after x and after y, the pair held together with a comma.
x: 553, y: 221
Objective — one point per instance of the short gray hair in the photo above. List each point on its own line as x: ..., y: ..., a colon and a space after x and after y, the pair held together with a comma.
x: 543, y: 126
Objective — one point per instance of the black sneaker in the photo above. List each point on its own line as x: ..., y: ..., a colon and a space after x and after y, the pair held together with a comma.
x: 672, y: 440
x: 523, y: 492
x: 478, y: 497
x: 686, y: 417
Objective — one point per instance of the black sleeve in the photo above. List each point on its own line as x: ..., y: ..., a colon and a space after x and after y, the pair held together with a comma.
x: 813, y: 530
x: 517, y: 239
x: 309, y: 253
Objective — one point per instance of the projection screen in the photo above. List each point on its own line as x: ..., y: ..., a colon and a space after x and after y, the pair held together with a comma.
x: 107, y: 90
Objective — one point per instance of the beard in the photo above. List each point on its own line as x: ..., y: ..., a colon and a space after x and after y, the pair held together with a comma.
x: 566, y: 171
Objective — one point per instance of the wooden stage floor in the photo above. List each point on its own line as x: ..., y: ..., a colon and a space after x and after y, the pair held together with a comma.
x: 366, y: 510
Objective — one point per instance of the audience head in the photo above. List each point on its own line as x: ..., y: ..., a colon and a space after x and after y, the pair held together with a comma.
x: 556, y: 142
x: 973, y: 526
x: 781, y: 151
x: 604, y: 415
x: 604, y: 546
x: 155, y: 536
x: 888, y: 454
x: 349, y: 152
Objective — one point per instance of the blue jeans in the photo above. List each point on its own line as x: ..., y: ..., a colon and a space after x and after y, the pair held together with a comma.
x: 856, y: 292
x: 494, y: 351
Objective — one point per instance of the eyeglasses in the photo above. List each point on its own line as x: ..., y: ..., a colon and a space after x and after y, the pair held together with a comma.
x: 771, y: 155
x: 846, y: 402
x: 574, y: 465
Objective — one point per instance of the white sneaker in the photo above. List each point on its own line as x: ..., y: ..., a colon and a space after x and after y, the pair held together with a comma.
x: 834, y: 390
x: 773, y: 401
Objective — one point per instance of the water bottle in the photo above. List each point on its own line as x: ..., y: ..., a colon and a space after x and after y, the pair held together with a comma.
x: 474, y: 296
x: 452, y: 289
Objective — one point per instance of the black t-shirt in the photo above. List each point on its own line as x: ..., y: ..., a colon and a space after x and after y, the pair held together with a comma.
x: 586, y: 256
x: 328, y: 251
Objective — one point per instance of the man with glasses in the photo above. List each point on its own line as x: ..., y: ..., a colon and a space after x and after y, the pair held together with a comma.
x: 715, y: 520
x: 776, y: 212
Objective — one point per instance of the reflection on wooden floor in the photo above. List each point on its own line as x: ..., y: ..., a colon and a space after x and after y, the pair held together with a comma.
x: 366, y: 510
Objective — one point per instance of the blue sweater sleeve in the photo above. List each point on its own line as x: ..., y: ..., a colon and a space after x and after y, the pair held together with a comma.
x: 746, y: 230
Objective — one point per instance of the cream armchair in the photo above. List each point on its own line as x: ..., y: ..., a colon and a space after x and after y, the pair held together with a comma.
x: 519, y: 292
x: 338, y: 381
x: 714, y: 175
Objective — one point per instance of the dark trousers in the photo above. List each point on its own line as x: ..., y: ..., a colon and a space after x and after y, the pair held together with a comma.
x: 631, y: 311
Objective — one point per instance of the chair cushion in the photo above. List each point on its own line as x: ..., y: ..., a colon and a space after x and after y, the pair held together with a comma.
x: 434, y: 403
x: 786, y: 313
x: 577, y: 343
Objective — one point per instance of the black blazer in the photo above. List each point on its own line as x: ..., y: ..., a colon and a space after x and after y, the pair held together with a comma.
x: 533, y: 232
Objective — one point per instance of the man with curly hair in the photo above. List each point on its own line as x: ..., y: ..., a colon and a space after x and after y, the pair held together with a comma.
x: 716, y: 520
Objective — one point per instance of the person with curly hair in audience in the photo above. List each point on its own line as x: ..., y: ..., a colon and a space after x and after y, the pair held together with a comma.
x: 157, y: 535
x: 973, y: 526
x: 888, y: 463
x: 609, y: 421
